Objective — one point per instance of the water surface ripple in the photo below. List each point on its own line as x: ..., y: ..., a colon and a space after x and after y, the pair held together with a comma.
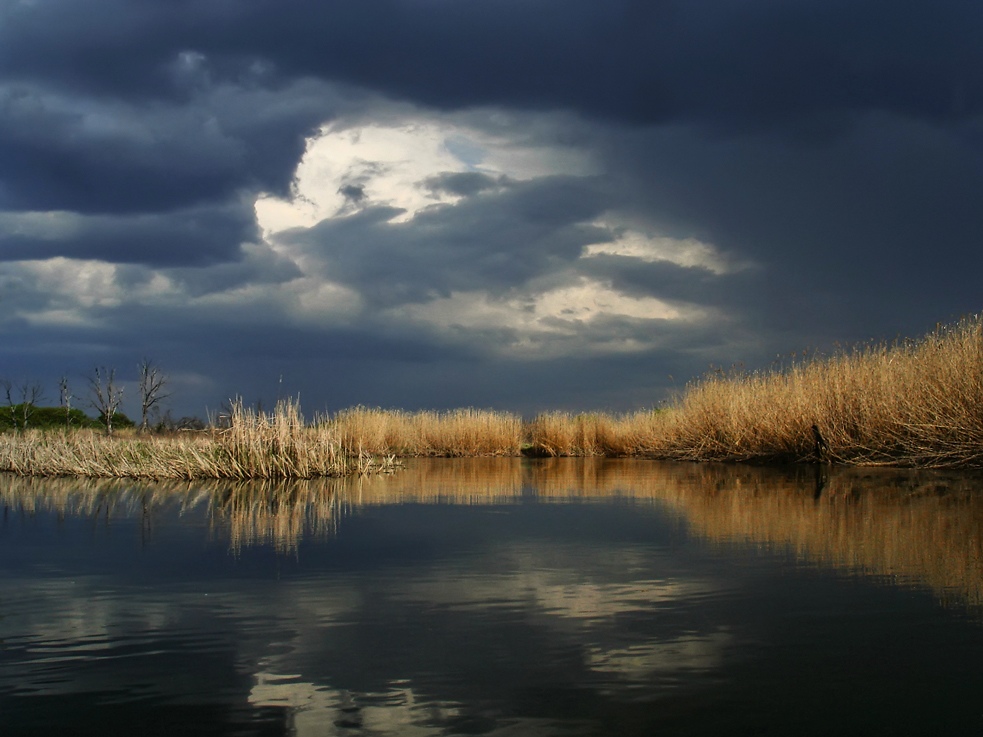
x: 496, y: 597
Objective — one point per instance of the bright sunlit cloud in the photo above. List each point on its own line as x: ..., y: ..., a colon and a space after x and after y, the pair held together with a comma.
x: 394, y: 162
x: 572, y: 319
x: 686, y: 252
x: 350, y: 167
x: 347, y: 168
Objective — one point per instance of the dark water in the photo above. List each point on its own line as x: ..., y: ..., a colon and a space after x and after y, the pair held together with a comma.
x: 496, y: 598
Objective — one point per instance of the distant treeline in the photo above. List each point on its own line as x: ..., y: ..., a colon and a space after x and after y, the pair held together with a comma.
x: 12, y: 417
x: 22, y: 408
x: 20, y: 417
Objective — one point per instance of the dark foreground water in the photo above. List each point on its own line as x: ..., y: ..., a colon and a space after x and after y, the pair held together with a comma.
x: 496, y: 598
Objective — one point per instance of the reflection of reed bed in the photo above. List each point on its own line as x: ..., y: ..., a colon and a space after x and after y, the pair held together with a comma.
x: 923, y: 526
x: 457, y: 481
x: 249, y: 512
x: 495, y: 480
x: 564, y: 478
x: 276, y: 513
x: 254, y: 445
x: 89, y: 496
x: 918, y: 526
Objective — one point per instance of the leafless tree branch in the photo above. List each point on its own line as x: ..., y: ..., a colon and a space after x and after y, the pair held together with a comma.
x: 31, y: 392
x: 65, y: 399
x: 152, y: 383
x: 105, y: 395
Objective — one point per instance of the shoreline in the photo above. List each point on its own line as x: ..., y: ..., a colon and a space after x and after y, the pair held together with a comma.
x: 911, y: 404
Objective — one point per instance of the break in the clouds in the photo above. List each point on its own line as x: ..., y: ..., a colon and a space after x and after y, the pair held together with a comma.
x: 482, y: 240
x: 513, y: 204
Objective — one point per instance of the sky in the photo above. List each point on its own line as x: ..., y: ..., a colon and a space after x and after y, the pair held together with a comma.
x: 521, y: 205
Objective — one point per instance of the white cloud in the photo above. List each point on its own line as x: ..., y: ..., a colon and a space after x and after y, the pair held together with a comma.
x: 566, y: 320
x: 387, y: 163
x: 321, y: 711
x: 663, y: 657
x: 303, y: 299
x: 554, y: 308
x: 588, y: 300
x: 686, y: 252
x: 350, y: 165
x: 85, y: 284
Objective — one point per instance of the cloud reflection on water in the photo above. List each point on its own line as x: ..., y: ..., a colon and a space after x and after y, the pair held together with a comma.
x: 388, y: 644
x: 925, y: 527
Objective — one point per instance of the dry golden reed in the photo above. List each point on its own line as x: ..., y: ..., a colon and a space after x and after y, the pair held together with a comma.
x: 254, y: 445
x: 457, y: 433
x: 590, y: 434
x: 913, y: 403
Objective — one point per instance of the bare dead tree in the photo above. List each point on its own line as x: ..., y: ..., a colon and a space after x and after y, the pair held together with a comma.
x: 105, y: 395
x: 8, y: 390
x: 152, y: 383
x: 65, y: 399
x: 31, y: 392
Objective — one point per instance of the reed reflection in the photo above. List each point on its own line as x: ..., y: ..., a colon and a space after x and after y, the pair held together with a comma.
x: 917, y: 527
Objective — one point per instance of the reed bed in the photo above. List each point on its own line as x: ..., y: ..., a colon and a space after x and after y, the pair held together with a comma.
x: 457, y: 433
x: 912, y: 403
x: 593, y: 434
x: 254, y: 445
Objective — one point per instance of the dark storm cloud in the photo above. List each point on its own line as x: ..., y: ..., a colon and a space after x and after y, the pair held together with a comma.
x: 215, y: 90
x: 64, y: 152
x: 193, y: 237
x: 137, y: 106
x: 835, y: 145
x: 463, y: 184
x: 353, y: 193
x: 871, y: 234
x: 634, y: 60
x: 661, y: 279
x: 494, y: 240
x: 255, y: 264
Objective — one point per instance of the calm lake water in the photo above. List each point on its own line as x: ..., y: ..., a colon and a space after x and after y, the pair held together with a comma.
x: 496, y: 597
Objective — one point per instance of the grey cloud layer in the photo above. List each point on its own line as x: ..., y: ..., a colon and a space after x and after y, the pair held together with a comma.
x: 490, y: 241
x: 194, y: 236
x: 634, y: 59
x: 837, y: 146
x: 68, y: 152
